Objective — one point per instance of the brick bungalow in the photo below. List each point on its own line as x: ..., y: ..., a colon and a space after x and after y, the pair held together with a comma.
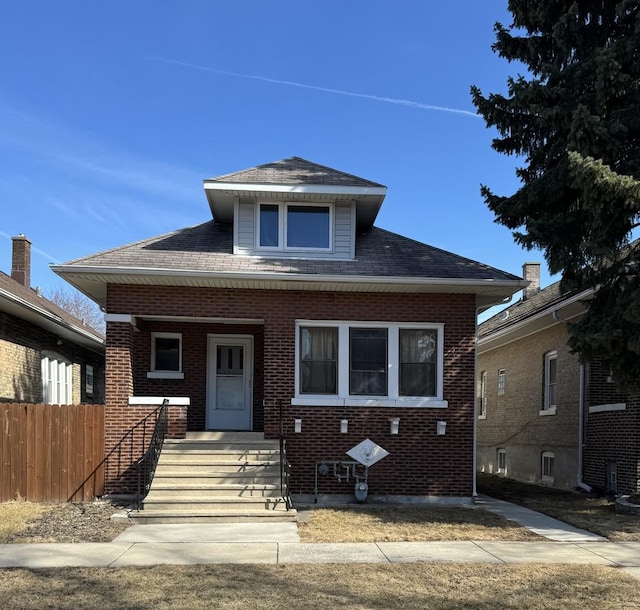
x: 291, y: 312
x: 46, y: 354
x: 543, y: 417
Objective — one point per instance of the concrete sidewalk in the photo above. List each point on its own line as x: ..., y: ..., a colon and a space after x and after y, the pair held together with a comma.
x: 544, y: 526
x: 279, y: 543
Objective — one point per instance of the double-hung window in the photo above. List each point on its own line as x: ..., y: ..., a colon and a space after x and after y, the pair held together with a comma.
x: 550, y: 381
x: 57, y: 381
x: 502, y: 380
x: 482, y: 398
x: 385, y: 364
x: 294, y: 226
x: 166, y: 356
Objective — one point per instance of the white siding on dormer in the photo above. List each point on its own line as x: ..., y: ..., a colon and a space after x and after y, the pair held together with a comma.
x: 344, y: 230
x: 246, y: 228
x: 343, y: 238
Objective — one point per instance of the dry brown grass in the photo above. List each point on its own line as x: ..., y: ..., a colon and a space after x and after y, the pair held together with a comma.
x: 15, y: 515
x: 408, y: 523
x: 587, y: 511
x: 318, y: 587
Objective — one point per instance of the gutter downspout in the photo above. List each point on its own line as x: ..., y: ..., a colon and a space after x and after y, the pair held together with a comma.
x: 474, y: 492
x: 581, y: 403
x: 581, y: 424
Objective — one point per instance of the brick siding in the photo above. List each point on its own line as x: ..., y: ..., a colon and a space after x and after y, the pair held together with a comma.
x: 611, y: 436
x: 420, y: 463
x: 513, y: 420
x: 21, y: 350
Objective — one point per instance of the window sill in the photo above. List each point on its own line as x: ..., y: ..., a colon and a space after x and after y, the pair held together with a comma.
x: 156, y: 401
x: 165, y: 375
x: 428, y: 403
x: 549, y: 411
x: 621, y: 406
x: 482, y: 417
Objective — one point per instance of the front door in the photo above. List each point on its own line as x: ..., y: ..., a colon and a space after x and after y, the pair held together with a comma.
x: 229, y: 382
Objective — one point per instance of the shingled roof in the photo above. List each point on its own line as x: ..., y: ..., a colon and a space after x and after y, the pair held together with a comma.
x: 294, y: 170
x: 26, y: 303
x: 203, y: 255
x: 209, y: 247
x: 522, y: 309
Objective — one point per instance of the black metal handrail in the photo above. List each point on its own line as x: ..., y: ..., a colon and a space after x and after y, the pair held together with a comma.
x: 285, y: 466
x: 146, y: 465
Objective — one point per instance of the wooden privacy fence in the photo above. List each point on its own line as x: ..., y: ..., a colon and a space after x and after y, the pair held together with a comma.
x: 51, y: 453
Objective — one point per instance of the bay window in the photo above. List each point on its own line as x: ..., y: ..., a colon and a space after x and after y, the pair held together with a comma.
x: 372, y: 363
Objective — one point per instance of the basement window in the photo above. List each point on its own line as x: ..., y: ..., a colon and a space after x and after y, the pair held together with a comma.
x: 548, y: 465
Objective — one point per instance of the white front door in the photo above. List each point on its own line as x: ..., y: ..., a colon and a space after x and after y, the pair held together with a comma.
x: 229, y: 382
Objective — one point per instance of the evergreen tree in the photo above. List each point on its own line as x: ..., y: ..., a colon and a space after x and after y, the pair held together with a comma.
x: 574, y: 119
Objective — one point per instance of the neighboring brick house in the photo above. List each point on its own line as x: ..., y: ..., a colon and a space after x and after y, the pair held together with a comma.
x: 290, y: 311
x: 46, y: 354
x: 543, y: 417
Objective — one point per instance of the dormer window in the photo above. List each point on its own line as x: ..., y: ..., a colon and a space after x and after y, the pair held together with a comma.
x: 295, y: 226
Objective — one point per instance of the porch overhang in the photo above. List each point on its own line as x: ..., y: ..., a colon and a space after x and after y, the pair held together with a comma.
x: 93, y: 282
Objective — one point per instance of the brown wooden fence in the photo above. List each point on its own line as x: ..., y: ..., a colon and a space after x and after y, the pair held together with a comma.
x: 51, y: 453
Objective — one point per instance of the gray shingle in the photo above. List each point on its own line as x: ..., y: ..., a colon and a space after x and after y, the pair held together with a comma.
x: 209, y: 247
x: 294, y: 170
x: 523, y: 309
x: 33, y: 299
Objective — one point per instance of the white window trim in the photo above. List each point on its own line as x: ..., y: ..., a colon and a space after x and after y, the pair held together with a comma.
x: 283, y: 207
x: 393, y: 398
x: 544, y: 477
x: 483, y: 395
x: 549, y: 409
x: 502, y: 382
x: 54, y: 390
x: 160, y: 374
x: 501, y: 452
x: 88, y: 379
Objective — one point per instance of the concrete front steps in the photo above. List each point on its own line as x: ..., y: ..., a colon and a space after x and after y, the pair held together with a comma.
x: 214, y: 477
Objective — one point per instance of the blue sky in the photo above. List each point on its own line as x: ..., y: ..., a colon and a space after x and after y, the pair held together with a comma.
x: 112, y: 114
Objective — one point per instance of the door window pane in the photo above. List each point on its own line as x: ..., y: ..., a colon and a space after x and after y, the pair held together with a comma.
x: 318, y: 360
x: 269, y: 226
x: 307, y: 226
x: 418, y: 362
x: 368, y: 361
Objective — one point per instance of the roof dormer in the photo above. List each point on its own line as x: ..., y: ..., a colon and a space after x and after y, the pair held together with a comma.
x: 294, y: 180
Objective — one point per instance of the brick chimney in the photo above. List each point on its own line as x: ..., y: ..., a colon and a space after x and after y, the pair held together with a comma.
x: 21, y: 260
x: 531, y: 273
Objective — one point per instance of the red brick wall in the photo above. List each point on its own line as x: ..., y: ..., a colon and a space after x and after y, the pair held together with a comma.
x: 420, y: 463
x: 611, y: 436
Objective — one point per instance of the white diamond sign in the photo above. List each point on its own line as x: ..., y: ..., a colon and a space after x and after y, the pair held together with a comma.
x: 367, y: 452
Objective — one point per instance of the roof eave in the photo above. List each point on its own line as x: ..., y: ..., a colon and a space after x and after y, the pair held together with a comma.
x: 29, y: 312
x: 553, y: 314
x: 222, y: 195
x: 89, y: 279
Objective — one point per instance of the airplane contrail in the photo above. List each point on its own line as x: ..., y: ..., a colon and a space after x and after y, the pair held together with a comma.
x: 375, y: 98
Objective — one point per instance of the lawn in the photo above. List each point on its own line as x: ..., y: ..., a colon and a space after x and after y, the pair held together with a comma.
x: 587, y: 511
x: 398, y: 523
x: 407, y: 586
